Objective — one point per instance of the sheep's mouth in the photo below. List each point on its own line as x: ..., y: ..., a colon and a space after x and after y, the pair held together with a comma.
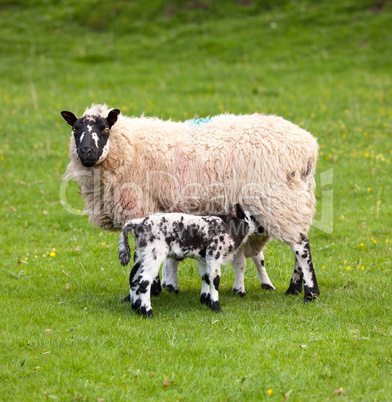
x: 88, y: 162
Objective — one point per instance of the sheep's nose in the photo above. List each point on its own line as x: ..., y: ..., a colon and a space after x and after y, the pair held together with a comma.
x: 86, y: 150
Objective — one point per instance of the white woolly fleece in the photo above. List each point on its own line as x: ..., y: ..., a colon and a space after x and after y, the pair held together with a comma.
x: 264, y: 162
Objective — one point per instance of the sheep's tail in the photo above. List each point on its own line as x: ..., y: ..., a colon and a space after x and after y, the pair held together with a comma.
x: 124, y: 251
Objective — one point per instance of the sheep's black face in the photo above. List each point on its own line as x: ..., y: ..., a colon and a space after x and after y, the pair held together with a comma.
x: 91, y: 135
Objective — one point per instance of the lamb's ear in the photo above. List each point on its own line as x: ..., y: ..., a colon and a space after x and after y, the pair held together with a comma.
x: 239, y: 211
x: 69, y: 117
x: 112, y: 117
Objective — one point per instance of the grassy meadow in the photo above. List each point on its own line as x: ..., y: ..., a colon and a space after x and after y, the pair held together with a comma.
x: 64, y: 334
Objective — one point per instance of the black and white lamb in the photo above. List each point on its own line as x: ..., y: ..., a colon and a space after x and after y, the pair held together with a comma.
x: 210, y: 240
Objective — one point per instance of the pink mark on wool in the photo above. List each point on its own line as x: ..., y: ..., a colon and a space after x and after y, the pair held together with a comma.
x: 186, y: 165
x: 128, y: 200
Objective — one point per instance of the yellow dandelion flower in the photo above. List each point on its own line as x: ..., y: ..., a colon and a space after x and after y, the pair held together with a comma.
x: 348, y: 268
x: 36, y: 256
x: 323, y: 267
x: 92, y: 236
x: 47, y: 252
x: 103, y: 243
x: 345, y: 261
x: 361, y: 244
x: 369, y: 189
x: 386, y: 240
x: 362, y: 268
x: 26, y: 259
x: 333, y: 244
x: 270, y: 392
x: 9, y: 191
x: 53, y: 249
x: 2, y: 157
x: 52, y: 254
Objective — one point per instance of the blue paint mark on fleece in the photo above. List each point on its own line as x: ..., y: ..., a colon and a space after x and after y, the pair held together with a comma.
x: 198, y: 122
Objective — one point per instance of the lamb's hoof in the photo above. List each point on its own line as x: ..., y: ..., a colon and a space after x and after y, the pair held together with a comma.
x: 267, y: 287
x: 311, y: 296
x: 156, y: 288
x: 215, y: 306
x: 170, y: 288
x: 205, y: 299
x: 239, y: 292
x: 126, y: 299
x: 294, y: 289
x: 146, y: 313
x: 136, y: 305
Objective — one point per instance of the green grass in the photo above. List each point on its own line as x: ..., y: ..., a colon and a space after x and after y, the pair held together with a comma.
x: 64, y: 333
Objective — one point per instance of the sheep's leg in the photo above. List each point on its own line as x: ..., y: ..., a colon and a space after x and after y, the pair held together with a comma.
x: 213, y: 269
x: 295, y: 287
x: 239, y: 265
x: 205, y: 283
x: 169, y: 275
x: 265, y: 281
x: 303, y: 269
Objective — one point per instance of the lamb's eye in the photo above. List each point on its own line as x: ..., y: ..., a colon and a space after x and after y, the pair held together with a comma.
x: 106, y: 130
x: 73, y: 129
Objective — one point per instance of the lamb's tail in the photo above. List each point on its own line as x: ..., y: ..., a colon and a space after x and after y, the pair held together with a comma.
x: 124, y: 251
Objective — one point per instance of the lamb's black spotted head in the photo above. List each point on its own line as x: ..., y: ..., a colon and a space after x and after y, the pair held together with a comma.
x: 249, y: 219
x: 91, y: 134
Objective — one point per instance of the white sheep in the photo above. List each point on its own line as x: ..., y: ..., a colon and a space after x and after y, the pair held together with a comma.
x: 130, y: 167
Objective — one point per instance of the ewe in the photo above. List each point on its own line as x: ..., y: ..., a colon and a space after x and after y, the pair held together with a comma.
x: 131, y: 167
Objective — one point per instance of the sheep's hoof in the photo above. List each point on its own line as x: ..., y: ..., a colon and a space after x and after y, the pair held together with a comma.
x: 215, y: 306
x: 311, y: 296
x: 126, y: 299
x: 294, y: 288
x: 205, y: 299
x: 239, y: 293
x: 171, y: 289
x: 146, y: 313
x: 156, y: 287
x: 267, y: 287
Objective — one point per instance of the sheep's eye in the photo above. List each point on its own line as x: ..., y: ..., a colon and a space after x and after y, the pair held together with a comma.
x: 106, y: 130
x: 73, y: 129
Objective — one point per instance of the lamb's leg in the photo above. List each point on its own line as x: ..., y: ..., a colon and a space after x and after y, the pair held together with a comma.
x: 169, y: 275
x: 156, y: 287
x: 134, y: 286
x: 303, y: 269
x: 146, y: 276
x: 239, y: 265
x: 205, y: 283
x: 213, y: 269
x: 127, y: 298
x: 265, y: 281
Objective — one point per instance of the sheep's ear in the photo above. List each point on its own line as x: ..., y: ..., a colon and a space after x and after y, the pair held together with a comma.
x: 69, y: 117
x: 239, y: 211
x: 112, y: 117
